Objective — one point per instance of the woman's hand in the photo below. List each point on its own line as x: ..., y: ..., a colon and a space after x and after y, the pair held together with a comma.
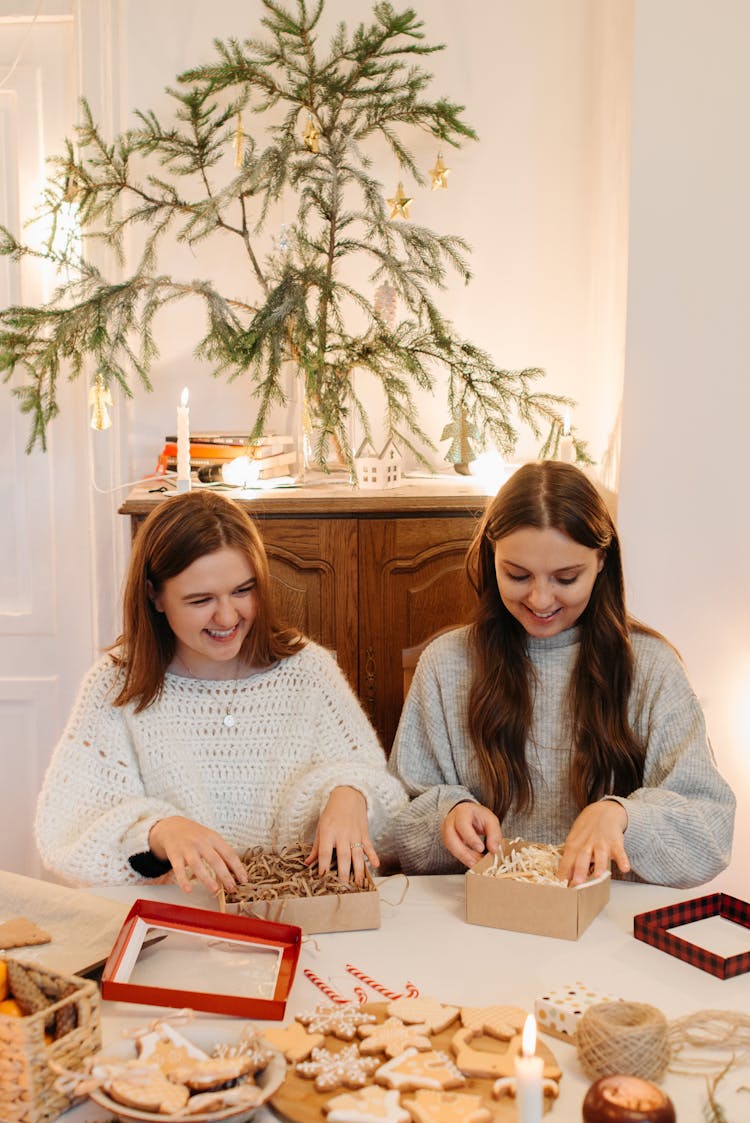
x: 468, y: 830
x: 343, y: 827
x: 197, y: 850
x: 595, y: 841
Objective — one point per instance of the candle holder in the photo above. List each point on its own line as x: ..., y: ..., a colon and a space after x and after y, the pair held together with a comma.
x: 627, y: 1099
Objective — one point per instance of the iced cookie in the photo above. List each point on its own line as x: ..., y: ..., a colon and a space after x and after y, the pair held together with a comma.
x: 372, y: 1104
x: 203, y: 1076
x: 428, y: 1106
x: 294, y: 1041
x: 392, y: 1037
x: 411, y: 1070
x: 502, y: 1022
x: 167, y: 1049
x: 345, y: 1069
x: 342, y: 1021
x: 242, y: 1095
x: 427, y: 1010
x: 251, y: 1047
x: 148, y: 1092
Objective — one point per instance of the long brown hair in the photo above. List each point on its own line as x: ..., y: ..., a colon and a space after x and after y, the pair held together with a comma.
x: 545, y: 495
x: 179, y: 531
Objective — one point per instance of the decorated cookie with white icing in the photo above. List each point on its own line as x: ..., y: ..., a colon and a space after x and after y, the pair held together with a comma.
x: 411, y: 1070
x: 345, y: 1069
x: 340, y: 1020
x: 372, y: 1104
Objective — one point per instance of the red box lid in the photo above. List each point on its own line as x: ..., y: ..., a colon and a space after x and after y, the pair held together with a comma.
x: 150, y: 922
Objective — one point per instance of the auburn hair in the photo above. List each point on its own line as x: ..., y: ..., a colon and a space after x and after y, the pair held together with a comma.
x: 607, y: 756
x: 179, y: 531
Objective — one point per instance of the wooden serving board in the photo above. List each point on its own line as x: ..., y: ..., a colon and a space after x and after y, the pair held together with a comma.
x: 298, y: 1100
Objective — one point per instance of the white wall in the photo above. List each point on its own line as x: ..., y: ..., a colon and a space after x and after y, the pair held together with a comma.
x: 542, y: 198
x: 684, y: 511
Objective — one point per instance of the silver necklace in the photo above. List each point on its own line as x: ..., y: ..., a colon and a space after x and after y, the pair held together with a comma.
x: 228, y: 719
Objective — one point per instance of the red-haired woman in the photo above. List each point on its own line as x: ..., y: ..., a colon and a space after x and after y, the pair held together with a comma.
x: 210, y: 726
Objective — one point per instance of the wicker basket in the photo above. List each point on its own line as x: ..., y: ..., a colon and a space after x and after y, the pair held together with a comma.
x: 27, y: 1091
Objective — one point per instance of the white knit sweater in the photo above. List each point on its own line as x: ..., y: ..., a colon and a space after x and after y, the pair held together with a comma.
x: 299, y: 732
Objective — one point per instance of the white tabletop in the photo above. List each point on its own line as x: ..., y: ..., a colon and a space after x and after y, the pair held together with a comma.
x: 425, y: 940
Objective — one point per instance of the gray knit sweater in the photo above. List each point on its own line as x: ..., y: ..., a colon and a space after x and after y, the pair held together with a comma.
x: 680, y: 821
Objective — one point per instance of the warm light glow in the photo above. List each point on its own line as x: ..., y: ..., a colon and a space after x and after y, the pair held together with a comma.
x: 184, y: 397
x: 240, y: 472
x: 528, y: 1040
x: 491, y: 471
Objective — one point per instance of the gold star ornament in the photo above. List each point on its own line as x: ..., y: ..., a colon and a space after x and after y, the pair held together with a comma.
x: 311, y: 136
x: 439, y: 173
x: 400, y: 203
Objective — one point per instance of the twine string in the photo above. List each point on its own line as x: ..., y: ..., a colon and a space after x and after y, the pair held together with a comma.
x: 630, y: 1037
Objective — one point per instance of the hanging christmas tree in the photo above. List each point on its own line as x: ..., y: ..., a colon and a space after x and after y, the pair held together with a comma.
x: 274, y: 117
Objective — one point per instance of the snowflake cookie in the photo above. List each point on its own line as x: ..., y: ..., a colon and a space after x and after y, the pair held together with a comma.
x: 341, y: 1021
x: 392, y: 1037
x: 412, y: 1070
x: 346, y: 1068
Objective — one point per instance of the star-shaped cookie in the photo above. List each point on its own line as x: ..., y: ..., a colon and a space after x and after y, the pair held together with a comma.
x: 392, y: 1037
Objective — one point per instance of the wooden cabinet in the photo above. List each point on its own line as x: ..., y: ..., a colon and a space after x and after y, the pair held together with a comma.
x: 365, y: 573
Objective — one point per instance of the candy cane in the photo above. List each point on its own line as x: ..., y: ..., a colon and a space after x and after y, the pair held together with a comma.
x: 373, y: 983
x: 361, y: 995
x: 411, y: 991
x: 327, y: 990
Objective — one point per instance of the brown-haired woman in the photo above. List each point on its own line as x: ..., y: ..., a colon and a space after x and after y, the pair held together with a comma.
x: 209, y: 726
x: 555, y: 716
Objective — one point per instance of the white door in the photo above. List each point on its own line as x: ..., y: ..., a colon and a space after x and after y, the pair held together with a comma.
x: 46, y: 599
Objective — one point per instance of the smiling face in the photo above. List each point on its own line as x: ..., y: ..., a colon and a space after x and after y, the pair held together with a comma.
x: 210, y: 606
x: 545, y: 578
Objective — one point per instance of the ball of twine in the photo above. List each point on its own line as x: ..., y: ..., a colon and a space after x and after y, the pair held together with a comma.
x: 629, y: 1037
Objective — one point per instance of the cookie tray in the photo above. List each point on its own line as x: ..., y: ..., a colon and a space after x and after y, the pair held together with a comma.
x: 173, y: 955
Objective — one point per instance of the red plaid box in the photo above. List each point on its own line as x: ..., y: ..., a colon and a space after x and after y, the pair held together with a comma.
x: 651, y: 927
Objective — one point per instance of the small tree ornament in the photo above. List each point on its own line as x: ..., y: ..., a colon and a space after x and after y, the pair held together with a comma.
x: 461, y: 432
x: 439, y: 174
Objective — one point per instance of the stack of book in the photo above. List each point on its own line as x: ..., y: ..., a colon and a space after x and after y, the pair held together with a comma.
x: 272, y: 456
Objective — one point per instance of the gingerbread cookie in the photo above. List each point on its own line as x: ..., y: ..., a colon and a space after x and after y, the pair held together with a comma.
x: 342, y: 1021
x: 502, y: 1022
x: 167, y: 1049
x: 251, y: 1048
x: 204, y: 1076
x: 241, y: 1096
x: 148, y: 1091
x: 392, y: 1037
x: 411, y: 1070
x: 294, y: 1041
x: 345, y: 1069
x: 372, y: 1104
x: 432, y: 1013
x: 429, y: 1106
x: 482, y: 1063
x: 20, y: 932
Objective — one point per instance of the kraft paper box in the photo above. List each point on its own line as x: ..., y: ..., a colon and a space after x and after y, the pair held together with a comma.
x: 329, y: 912
x: 522, y: 906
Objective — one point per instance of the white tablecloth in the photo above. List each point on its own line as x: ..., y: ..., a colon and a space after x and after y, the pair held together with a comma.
x: 425, y: 940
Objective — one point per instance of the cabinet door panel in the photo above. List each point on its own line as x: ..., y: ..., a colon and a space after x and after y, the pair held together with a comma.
x: 412, y: 584
x: 311, y: 563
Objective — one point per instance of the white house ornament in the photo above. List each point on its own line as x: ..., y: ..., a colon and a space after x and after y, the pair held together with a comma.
x: 378, y: 470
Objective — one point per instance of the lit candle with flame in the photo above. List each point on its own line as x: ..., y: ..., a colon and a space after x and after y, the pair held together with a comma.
x: 183, y: 443
x: 529, y: 1071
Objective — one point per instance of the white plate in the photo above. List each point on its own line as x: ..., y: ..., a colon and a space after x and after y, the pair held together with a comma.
x: 269, y: 1081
